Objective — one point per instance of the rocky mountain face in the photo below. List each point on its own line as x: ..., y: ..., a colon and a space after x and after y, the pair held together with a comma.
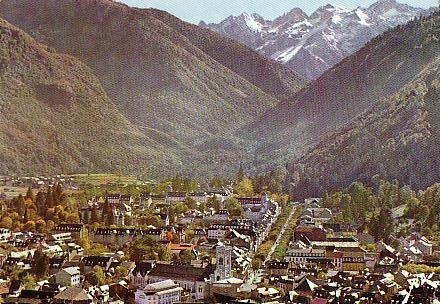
x: 185, y: 87
x: 312, y: 44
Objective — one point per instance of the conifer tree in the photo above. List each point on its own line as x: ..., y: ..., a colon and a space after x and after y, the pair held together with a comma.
x: 49, y: 198
x: 29, y: 194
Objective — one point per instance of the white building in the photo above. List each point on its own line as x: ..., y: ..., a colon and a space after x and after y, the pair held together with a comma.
x: 424, y: 245
x: 70, y: 276
x: 163, y: 292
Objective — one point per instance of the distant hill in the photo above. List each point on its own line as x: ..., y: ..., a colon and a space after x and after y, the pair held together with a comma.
x: 310, y: 45
x: 55, y: 117
x: 185, y: 87
x: 399, y: 136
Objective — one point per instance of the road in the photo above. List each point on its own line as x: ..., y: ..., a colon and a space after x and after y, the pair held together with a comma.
x: 286, y: 224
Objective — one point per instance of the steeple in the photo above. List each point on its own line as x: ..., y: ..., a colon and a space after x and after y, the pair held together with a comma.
x: 223, y: 269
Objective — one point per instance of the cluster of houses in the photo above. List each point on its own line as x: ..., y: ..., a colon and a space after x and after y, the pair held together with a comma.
x: 326, y: 263
x: 221, y: 253
x: 36, y: 182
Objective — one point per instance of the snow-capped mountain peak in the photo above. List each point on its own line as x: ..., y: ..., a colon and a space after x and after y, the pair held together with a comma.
x: 312, y: 44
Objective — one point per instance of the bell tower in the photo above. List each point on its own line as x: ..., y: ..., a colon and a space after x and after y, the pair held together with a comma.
x: 223, y: 269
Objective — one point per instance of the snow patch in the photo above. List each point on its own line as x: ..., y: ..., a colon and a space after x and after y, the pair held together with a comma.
x: 363, y: 18
x: 253, y: 24
x: 337, y: 19
x: 287, y: 55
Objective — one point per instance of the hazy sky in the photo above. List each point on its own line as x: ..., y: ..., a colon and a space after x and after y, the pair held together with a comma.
x: 217, y: 10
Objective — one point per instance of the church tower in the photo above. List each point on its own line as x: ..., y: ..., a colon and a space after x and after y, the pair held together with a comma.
x: 223, y: 269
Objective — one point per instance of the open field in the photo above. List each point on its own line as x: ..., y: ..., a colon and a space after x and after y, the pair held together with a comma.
x: 13, y: 191
x: 104, y: 179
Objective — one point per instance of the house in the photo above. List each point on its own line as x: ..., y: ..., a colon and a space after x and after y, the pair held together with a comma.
x: 316, y: 216
x: 162, y: 292
x: 145, y: 200
x: 126, y: 199
x: 219, y: 195
x: 72, y: 295
x: 89, y: 262
x: 175, y: 197
x: 75, y: 230
x: 193, y: 279
x: 312, y: 203
x: 158, y: 199
x: 199, y: 197
x: 138, y: 276
x: 35, y: 296
x: 424, y: 245
x: 112, y: 198
x: 70, y: 276
x: 218, y: 217
x: 277, y: 268
x: 56, y: 264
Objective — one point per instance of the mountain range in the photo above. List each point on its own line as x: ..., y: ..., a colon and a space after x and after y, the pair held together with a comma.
x: 398, y: 137
x: 310, y: 45
x: 184, y: 87
x: 140, y: 90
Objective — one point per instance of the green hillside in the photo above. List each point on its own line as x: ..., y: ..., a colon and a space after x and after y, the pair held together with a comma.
x: 187, y: 88
x: 397, y: 138
x: 55, y: 114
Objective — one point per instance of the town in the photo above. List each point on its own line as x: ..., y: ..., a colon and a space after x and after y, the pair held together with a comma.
x: 64, y: 240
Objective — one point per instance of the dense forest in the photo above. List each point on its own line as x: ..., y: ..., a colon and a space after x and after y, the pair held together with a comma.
x: 398, y: 138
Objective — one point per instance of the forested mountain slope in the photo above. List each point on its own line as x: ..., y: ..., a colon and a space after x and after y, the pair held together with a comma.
x: 55, y: 117
x: 397, y: 138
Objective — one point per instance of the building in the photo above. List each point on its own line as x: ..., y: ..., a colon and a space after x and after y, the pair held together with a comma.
x: 75, y: 230
x: 121, y: 236
x: 198, y: 197
x: 193, y: 279
x: 424, y: 245
x: 316, y: 216
x: 89, y: 262
x: 223, y: 268
x: 306, y: 256
x: 70, y: 276
x: 120, y: 211
x: 277, y: 268
x: 309, y: 233
x: 145, y: 200
x: 219, y: 231
x: 138, y: 276
x: 163, y: 292
x: 73, y: 295
x: 175, y: 197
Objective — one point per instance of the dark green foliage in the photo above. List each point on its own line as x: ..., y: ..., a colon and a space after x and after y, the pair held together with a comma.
x: 40, y: 266
x: 234, y: 208
x: 30, y: 194
x: 146, y: 248
x: 398, y: 138
x: 96, y: 277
